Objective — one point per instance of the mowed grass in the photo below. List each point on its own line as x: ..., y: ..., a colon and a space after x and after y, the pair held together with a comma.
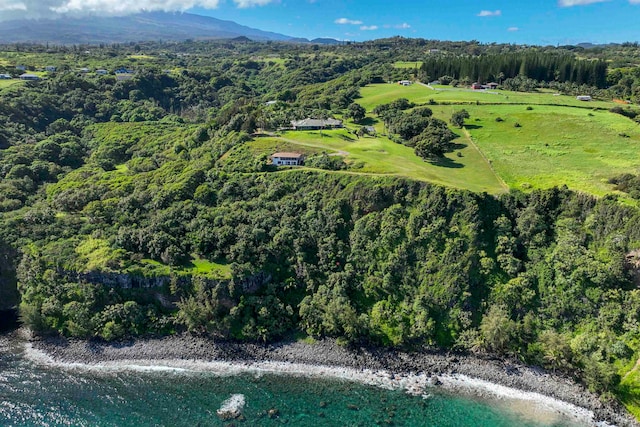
x: 376, y: 94
x: 408, y: 64
x: 381, y: 156
x: 554, y: 145
x: 8, y: 83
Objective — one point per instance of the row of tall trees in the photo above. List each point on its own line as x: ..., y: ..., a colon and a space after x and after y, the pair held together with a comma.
x: 540, y: 66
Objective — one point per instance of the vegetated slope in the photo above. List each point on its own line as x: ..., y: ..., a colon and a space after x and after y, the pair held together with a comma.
x: 147, y: 205
x: 138, y: 27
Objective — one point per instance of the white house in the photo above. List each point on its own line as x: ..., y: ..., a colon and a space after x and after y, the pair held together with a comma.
x: 29, y: 77
x: 405, y: 82
x: 316, y: 124
x: 287, y: 159
x: 5, y: 77
x: 583, y: 98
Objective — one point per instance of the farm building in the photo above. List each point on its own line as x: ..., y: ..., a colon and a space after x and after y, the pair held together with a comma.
x: 405, y: 82
x: 287, y: 159
x: 492, y: 85
x: 476, y: 86
x: 583, y: 98
x: 316, y: 124
x: 21, y: 67
x: 29, y: 77
x: 5, y: 77
x: 102, y: 72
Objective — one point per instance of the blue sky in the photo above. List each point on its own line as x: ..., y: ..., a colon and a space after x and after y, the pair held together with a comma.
x: 529, y: 22
x: 532, y: 22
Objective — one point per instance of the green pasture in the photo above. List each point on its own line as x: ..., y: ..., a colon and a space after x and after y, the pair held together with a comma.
x: 554, y: 145
x: 197, y: 266
x: 8, y: 83
x: 408, y: 64
x: 381, y: 156
x: 376, y: 94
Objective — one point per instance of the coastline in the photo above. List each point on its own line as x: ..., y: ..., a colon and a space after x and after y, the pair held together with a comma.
x: 413, y: 372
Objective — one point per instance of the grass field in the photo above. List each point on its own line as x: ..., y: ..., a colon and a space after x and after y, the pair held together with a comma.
x: 555, y: 145
x: 408, y: 64
x: 377, y: 94
x: 8, y: 83
x: 380, y: 156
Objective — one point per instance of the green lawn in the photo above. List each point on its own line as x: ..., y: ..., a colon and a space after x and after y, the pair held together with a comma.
x: 554, y: 145
x: 380, y: 156
x: 8, y: 83
x: 408, y: 64
x: 373, y: 95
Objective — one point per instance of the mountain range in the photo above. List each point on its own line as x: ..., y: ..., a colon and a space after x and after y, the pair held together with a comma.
x: 148, y: 26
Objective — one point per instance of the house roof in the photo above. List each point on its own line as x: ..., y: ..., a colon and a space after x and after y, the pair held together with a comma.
x: 285, y: 154
x: 316, y: 122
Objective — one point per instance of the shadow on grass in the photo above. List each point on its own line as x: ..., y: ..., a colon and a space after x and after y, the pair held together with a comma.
x: 368, y: 121
x: 446, y: 162
x: 470, y: 126
x: 347, y: 137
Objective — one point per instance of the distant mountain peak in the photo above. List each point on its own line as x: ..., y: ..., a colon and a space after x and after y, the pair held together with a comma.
x: 145, y: 26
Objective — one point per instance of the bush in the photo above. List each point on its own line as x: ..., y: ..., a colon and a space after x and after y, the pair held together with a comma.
x: 499, y: 119
x: 529, y: 108
x: 517, y: 125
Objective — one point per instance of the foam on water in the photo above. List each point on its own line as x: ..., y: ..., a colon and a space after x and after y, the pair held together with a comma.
x: 534, y: 406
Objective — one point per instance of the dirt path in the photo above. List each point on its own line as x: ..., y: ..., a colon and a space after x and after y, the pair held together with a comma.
x: 635, y: 368
x: 473, y: 144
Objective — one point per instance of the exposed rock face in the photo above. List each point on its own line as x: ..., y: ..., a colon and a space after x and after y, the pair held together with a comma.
x: 633, y: 262
x: 251, y: 284
x: 9, y: 297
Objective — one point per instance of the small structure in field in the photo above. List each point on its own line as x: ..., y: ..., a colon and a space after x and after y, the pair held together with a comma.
x: 102, y: 72
x: 476, y: 86
x: 5, y: 77
x: 316, y: 124
x: 21, y: 67
x: 492, y: 85
x: 583, y: 98
x: 287, y: 159
x: 50, y: 68
x: 29, y: 77
x: 405, y: 82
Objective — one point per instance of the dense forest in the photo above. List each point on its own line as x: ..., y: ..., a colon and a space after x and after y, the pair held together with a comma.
x: 539, y: 66
x: 119, y: 215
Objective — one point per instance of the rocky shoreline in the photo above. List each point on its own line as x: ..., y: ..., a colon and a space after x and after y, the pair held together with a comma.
x: 328, y: 354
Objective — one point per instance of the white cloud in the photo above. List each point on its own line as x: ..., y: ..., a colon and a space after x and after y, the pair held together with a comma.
x: 405, y: 26
x: 347, y: 21
x: 484, y: 13
x: 369, y: 27
x: 8, y: 5
x: 251, y: 3
x: 13, y: 9
x: 570, y: 3
x: 512, y: 29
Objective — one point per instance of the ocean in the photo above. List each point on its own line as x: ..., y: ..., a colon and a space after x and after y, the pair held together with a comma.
x: 34, y: 393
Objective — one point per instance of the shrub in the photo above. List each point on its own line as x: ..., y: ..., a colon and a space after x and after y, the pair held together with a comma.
x: 499, y: 119
x: 529, y: 108
x: 517, y: 125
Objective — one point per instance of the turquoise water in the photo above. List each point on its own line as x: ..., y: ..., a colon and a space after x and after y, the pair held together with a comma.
x: 36, y: 395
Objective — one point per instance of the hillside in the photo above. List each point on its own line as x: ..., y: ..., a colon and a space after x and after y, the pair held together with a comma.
x: 139, y: 27
x: 149, y: 205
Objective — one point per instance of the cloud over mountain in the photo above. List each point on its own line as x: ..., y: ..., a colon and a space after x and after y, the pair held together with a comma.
x: 19, y: 9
